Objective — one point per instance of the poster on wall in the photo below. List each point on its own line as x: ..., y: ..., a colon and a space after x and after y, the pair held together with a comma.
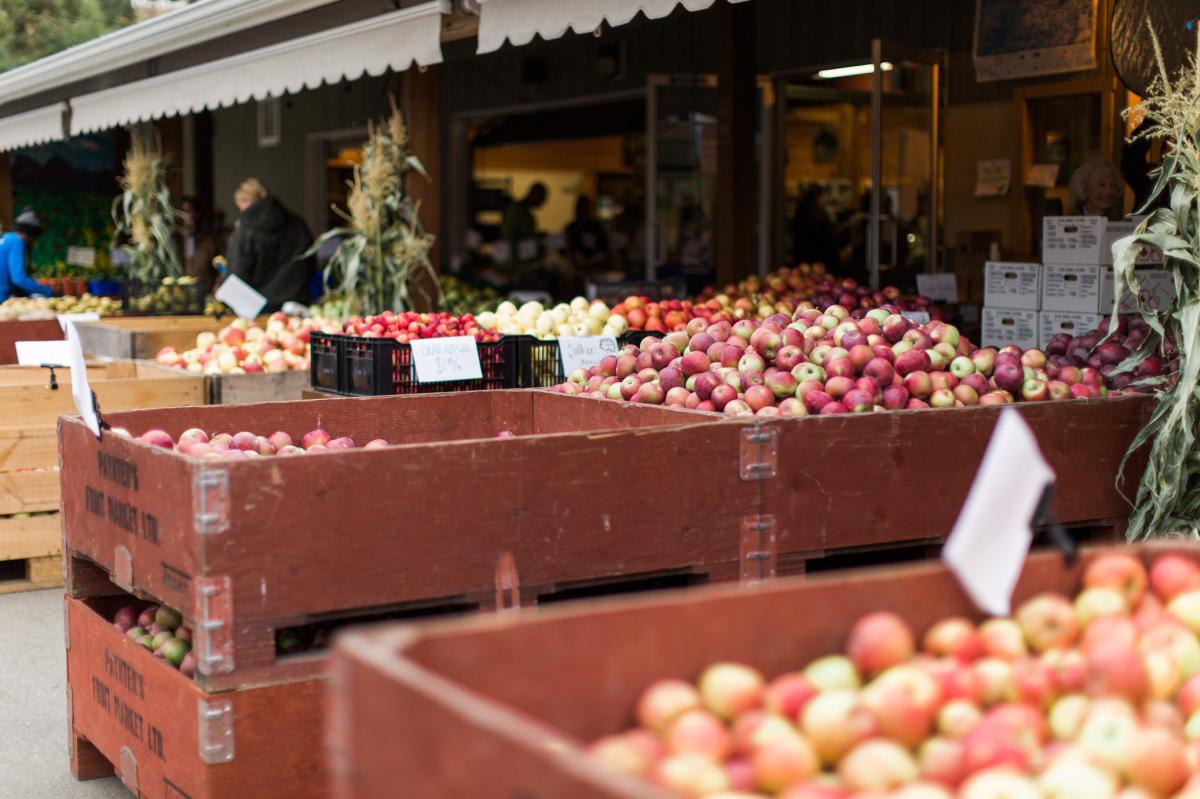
x: 1026, y: 38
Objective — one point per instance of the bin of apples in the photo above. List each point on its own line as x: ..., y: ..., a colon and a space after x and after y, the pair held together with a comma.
x: 1095, y: 696
x: 826, y: 363
x: 407, y: 326
x: 244, y: 348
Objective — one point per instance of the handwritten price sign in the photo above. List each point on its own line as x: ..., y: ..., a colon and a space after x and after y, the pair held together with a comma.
x: 582, y: 352
x: 439, y: 360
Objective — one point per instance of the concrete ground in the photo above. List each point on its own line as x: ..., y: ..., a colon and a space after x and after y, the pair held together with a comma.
x: 33, y: 703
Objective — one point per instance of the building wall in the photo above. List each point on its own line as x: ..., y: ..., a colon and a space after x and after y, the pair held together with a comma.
x: 285, y: 168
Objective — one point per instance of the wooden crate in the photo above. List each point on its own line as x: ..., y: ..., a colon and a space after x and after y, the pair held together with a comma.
x: 502, y: 706
x: 143, y: 336
x: 454, y: 517
x: 860, y: 483
x: 257, y: 387
x: 31, y: 330
x: 133, y: 715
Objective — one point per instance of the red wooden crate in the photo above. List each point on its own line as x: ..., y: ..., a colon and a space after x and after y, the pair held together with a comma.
x: 132, y: 714
x: 501, y: 706
x: 454, y: 517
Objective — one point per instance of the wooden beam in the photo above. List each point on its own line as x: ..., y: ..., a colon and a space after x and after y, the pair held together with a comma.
x: 421, y: 101
x: 6, y: 191
x: 736, y: 204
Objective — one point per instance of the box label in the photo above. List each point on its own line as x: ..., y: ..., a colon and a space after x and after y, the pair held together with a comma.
x: 43, y: 353
x: 1073, y: 239
x: 442, y: 359
x: 1075, y: 324
x: 1011, y: 285
x: 1002, y: 326
x: 1156, y: 287
x: 582, y: 352
x: 1071, y: 288
x: 1119, y: 230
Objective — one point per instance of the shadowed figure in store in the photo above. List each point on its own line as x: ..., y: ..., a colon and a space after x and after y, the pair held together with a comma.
x: 1097, y: 189
x: 267, y: 247
x: 587, y: 241
x: 813, y: 238
x: 519, y: 230
x: 16, y: 248
x: 201, y: 243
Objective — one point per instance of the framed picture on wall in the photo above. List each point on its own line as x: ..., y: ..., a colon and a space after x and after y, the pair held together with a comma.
x: 1026, y: 38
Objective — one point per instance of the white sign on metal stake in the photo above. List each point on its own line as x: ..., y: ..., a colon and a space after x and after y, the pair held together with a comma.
x: 80, y: 390
x: 241, y: 297
x: 987, y: 547
x: 438, y: 360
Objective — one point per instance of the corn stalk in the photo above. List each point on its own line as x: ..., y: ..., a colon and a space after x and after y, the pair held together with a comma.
x: 382, y: 260
x: 143, y: 212
x: 1167, y: 502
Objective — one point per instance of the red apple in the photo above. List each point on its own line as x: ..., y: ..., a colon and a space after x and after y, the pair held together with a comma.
x: 729, y: 689
x: 878, y: 641
x: 1124, y: 573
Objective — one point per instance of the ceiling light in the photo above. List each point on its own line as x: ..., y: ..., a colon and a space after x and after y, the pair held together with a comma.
x: 857, y: 69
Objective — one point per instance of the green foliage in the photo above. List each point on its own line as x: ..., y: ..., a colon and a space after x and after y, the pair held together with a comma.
x: 382, y: 260
x: 71, y: 219
x: 33, y: 29
x: 1168, y: 497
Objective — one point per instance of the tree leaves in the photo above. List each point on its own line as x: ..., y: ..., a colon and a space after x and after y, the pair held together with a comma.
x: 33, y: 29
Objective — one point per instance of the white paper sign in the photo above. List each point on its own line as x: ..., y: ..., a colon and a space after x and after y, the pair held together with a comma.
x: 43, y: 353
x: 987, y: 547
x: 440, y: 359
x: 938, y: 286
x: 241, y: 297
x: 80, y: 390
x: 920, y: 317
x: 992, y: 176
x: 581, y: 352
x: 65, y: 319
x: 81, y: 256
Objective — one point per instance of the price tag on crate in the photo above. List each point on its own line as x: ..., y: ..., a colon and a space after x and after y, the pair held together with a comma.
x: 581, y: 352
x: 241, y: 297
x: 81, y: 392
x: 43, y: 353
x: 441, y: 359
x: 987, y: 547
x: 920, y: 317
x: 65, y: 319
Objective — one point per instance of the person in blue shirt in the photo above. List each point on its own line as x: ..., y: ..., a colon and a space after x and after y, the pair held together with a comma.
x: 15, y: 247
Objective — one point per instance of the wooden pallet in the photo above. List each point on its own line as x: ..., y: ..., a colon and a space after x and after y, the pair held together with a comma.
x: 31, y: 574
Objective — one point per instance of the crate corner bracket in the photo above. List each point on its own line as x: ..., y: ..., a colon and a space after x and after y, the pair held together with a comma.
x: 210, y: 498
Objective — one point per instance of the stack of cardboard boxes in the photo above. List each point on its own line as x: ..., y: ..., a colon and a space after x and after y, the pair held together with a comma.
x: 1028, y: 304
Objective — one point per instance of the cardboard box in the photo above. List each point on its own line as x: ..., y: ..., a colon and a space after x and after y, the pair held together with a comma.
x: 1012, y: 285
x: 1157, y: 287
x: 1051, y: 323
x: 1002, y: 326
x: 1067, y: 287
x: 1073, y: 239
x: 1119, y: 230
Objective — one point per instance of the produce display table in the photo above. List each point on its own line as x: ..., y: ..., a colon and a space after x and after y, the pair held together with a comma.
x: 504, y: 706
x: 30, y: 535
x: 32, y: 330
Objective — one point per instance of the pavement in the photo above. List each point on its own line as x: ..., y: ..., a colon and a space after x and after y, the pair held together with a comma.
x: 33, y: 704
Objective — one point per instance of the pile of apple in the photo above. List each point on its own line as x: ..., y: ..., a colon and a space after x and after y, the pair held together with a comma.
x: 1092, y: 698
x: 826, y: 363
x: 238, y: 446
x: 244, y: 348
x: 1065, y: 351
x: 161, y: 630
x: 409, y: 325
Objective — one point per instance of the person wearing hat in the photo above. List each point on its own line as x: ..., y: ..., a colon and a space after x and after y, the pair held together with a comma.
x: 15, y: 249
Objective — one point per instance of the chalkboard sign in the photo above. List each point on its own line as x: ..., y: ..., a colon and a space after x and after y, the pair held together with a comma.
x: 1024, y: 38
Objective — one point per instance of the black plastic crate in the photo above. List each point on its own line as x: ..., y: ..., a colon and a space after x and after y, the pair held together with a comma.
x: 382, y: 366
x: 168, y: 298
x: 324, y: 361
x: 538, y: 364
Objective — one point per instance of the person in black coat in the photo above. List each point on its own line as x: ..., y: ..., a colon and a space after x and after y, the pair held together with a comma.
x: 267, y: 247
